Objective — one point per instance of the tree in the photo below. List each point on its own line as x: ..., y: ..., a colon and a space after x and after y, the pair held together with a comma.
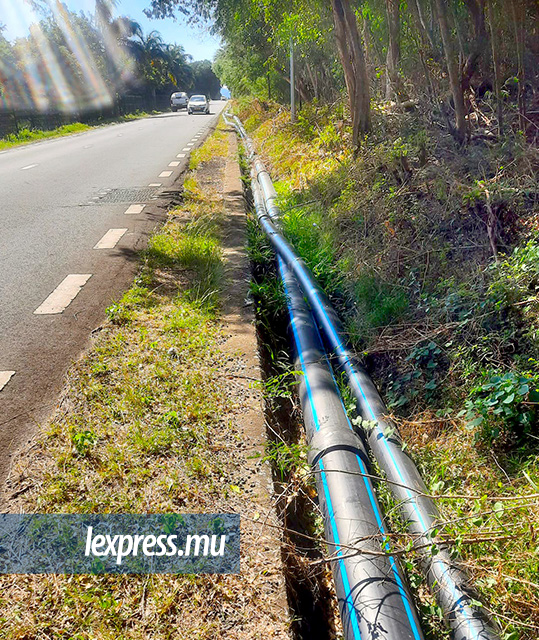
x: 234, y: 19
x: 393, y: 49
x: 453, y: 72
x: 352, y: 58
x: 180, y: 71
x: 204, y: 79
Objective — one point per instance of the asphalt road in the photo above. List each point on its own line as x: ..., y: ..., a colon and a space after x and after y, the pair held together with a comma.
x: 60, y: 199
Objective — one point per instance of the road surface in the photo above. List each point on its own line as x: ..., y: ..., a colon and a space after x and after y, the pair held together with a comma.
x: 74, y: 213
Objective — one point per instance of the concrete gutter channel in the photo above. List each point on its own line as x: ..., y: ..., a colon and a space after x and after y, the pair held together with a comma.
x: 373, y: 597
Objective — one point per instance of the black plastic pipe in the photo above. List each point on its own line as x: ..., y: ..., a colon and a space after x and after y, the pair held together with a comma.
x: 373, y: 600
x: 448, y: 582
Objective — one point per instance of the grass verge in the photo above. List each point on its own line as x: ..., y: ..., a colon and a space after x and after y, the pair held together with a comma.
x: 26, y: 135
x: 147, y: 424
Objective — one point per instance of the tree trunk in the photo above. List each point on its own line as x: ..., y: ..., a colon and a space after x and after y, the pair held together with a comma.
x: 314, y: 81
x: 352, y: 59
x: 477, y: 11
x: 453, y: 72
x: 426, y: 36
x: 299, y: 84
x: 518, y: 22
x: 393, y: 50
x: 496, y: 64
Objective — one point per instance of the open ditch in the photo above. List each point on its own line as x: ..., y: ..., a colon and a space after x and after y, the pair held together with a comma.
x: 310, y: 591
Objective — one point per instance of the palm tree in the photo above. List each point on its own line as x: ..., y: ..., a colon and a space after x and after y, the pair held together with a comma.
x: 180, y: 72
x: 149, y: 53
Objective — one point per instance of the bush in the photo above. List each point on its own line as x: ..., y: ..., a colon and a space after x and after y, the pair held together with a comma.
x: 502, y: 406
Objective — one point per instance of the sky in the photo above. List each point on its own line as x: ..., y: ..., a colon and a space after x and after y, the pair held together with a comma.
x: 196, y: 40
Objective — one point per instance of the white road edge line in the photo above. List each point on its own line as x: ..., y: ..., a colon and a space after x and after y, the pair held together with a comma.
x: 64, y: 294
x: 134, y: 208
x: 5, y: 377
x: 110, y: 239
x: 165, y: 174
x: 174, y: 164
x: 29, y: 166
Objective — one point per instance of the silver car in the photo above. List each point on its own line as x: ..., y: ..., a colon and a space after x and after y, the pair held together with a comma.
x: 178, y: 100
x: 198, y: 104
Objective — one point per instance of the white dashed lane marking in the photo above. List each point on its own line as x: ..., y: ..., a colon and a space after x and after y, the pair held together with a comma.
x: 186, y: 149
x: 134, y: 208
x: 110, y: 239
x: 190, y: 144
x: 5, y: 377
x: 180, y: 155
x: 29, y: 166
x: 173, y: 164
x: 154, y: 184
x: 64, y: 294
x: 165, y: 174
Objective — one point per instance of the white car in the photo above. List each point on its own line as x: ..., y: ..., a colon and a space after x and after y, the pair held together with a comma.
x: 198, y: 103
x: 178, y: 100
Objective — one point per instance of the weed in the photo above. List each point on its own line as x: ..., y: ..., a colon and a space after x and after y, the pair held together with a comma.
x: 503, y: 405
x: 381, y: 303
x: 217, y: 146
x: 285, y: 458
x: 26, y: 135
x: 281, y: 385
x: 83, y: 441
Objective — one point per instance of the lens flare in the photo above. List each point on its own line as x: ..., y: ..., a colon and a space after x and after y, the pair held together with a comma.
x: 98, y: 92
x: 68, y: 63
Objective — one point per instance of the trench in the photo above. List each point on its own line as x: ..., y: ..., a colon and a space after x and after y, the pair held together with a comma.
x: 311, y: 596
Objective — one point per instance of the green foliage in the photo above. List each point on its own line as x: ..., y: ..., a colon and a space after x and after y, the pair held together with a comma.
x: 83, y: 441
x: 503, y: 405
x: 286, y: 458
x: 315, y: 243
x: 517, y: 277
x: 258, y: 246
x: 281, y: 385
x: 381, y: 303
x: 421, y: 381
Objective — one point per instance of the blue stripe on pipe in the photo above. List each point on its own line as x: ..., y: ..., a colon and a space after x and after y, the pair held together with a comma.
x: 348, y: 589
x: 331, y: 513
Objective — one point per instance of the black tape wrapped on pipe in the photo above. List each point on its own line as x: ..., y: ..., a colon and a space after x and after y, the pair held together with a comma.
x: 448, y: 582
x: 373, y: 599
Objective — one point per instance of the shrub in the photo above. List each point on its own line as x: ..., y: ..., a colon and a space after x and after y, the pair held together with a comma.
x: 502, y: 405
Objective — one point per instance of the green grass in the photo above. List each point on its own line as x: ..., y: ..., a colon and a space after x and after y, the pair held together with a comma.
x: 27, y: 135
x: 24, y: 136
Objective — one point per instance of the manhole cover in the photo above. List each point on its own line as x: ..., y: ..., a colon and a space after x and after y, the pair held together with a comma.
x: 136, y: 194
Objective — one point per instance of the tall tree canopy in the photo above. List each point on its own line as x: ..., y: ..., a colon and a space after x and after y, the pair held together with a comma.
x: 445, y: 55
